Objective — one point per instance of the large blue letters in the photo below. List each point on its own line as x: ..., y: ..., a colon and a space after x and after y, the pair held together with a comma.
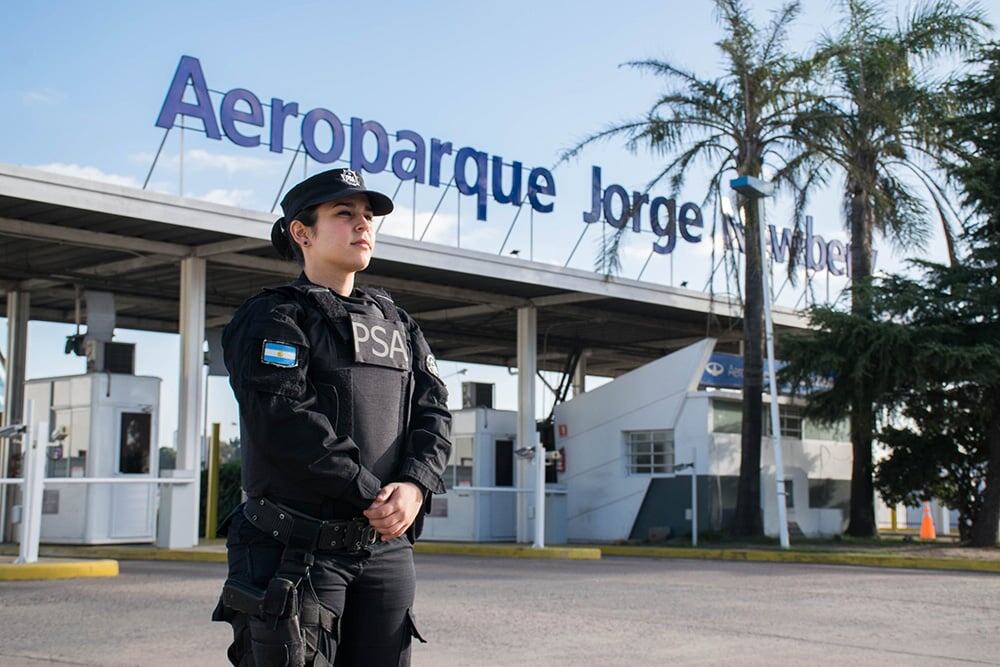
x: 189, y: 69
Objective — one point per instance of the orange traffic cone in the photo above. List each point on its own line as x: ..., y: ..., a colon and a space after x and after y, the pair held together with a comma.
x: 927, y: 531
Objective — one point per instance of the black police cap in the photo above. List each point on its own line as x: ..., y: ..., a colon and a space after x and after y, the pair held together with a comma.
x: 327, y: 186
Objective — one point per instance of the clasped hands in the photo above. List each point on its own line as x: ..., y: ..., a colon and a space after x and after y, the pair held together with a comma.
x: 394, y: 509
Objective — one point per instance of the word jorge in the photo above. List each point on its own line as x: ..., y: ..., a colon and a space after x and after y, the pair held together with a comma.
x: 323, y: 136
x: 615, y: 206
x: 604, y: 202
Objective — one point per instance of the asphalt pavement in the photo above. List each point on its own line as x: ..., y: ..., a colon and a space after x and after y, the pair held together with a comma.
x: 493, y: 611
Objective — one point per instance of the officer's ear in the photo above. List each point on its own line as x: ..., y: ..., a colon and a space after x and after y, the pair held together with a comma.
x: 299, y: 233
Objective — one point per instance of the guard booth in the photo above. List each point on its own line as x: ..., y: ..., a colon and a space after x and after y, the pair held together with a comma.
x: 480, y: 504
x: 482, y: 480
x: 102, y: 424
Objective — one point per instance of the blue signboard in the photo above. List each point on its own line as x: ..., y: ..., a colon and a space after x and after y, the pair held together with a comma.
x: 726, y: 371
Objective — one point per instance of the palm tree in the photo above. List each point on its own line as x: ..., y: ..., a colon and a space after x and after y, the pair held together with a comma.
x: 740, y: 125
x: 880, y: 127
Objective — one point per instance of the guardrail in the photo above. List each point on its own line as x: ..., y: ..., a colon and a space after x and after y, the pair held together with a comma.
x: 501, y: 489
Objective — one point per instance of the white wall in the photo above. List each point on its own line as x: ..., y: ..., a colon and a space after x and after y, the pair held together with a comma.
x: 602, y: 499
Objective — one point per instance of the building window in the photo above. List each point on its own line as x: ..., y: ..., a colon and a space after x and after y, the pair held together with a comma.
x: 727, y: 417
x: 649, y: 452
x: 789, y: 495
x: 789, y: 418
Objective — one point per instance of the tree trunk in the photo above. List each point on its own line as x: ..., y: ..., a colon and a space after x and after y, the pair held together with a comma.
x: 985, y: 527
x: 747, y: 520
x: 862, y: 512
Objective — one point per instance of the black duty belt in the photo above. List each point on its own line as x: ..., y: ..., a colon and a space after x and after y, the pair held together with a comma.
x: 294, y: 528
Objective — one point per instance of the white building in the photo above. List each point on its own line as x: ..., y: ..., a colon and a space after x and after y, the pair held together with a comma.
x: 622, y: 441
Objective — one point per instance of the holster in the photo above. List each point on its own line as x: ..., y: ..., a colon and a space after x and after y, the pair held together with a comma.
x: 272, y: 616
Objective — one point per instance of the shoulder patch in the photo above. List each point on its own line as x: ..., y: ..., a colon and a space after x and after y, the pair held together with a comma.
x: 276, y: 353
x: 432, y: 366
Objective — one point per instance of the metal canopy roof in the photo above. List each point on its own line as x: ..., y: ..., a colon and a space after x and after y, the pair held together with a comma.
x: 59, y: 233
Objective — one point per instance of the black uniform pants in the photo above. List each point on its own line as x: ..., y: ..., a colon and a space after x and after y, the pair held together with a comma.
x: 370, y: 594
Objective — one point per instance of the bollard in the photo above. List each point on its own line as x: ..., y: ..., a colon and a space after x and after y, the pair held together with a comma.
x: 212, y: 492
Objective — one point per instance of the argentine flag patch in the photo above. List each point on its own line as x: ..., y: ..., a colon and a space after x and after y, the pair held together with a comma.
x: 280, y: 354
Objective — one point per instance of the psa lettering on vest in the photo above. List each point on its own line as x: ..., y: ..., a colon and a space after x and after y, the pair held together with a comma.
x: 379, y: 342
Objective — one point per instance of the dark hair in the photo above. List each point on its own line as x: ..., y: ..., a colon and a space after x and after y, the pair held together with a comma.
x: 307, y: 217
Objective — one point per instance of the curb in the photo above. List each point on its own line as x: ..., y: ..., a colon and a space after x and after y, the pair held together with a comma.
x: 58, y: 570
x: 130, y: 553
x: 219, y: 556
x: 507, y: 551
x: 813, y: 558
x: 588, y: 552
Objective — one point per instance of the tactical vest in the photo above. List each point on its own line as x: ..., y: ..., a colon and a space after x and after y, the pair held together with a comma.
x: 361, y: 367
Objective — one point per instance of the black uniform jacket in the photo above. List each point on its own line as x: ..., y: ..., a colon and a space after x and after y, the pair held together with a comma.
x: 325, y: 424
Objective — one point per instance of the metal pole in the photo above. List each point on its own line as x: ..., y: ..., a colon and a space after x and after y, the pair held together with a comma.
x: 180, y: 186
x: 779, y: 468
x: 531, y: 233
x: 694, y: 498
x: 35, y: 439
x: 212, y: 492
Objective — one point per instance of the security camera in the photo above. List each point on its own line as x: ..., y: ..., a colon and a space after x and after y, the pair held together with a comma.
x: 12, y: 430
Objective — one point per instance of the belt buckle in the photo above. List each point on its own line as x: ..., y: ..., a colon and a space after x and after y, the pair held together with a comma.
x: 363, y: 535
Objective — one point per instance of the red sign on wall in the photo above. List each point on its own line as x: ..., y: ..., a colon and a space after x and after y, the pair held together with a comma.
x: 563, y: 431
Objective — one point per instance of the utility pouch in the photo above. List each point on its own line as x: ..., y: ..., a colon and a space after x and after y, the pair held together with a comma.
x: 278, y: 642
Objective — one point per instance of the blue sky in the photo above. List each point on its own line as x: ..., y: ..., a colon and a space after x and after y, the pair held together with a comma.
x: 82, y: 85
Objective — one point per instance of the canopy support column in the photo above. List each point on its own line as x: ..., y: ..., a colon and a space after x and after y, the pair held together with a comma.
x: 18, y: 314
x: 178, y: 522
x: 531, y: 506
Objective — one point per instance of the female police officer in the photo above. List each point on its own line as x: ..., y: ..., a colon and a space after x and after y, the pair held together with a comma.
x: 345, y: 434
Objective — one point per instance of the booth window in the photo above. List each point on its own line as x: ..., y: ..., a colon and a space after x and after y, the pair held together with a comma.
x: 459, y: 470
x: 649, y: 452
x: 134, y: 443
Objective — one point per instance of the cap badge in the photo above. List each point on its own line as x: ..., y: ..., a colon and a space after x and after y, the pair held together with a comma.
x: 351, y: 178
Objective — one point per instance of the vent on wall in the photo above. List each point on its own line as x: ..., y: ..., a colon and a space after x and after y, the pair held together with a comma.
x: 110, y: 357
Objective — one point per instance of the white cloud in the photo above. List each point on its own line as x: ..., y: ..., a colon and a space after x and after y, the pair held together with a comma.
x: 444, y: 229
x: 200, y: 159
x: 89, y: 173
x: 42, y: 97
x: 231, y: 164
x: 234, y: 197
